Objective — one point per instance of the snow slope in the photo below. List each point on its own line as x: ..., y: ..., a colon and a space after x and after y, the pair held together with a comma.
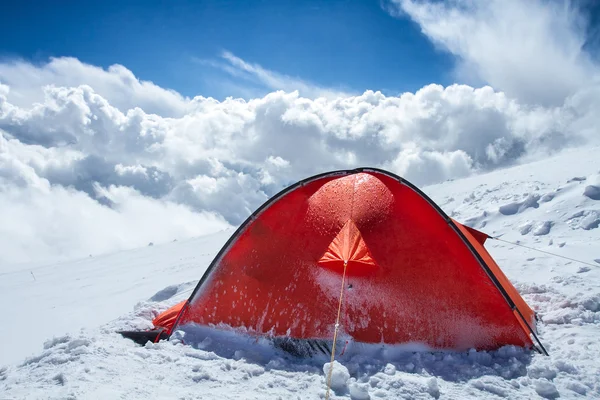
x: 52, y: 299
x: 552, y: 205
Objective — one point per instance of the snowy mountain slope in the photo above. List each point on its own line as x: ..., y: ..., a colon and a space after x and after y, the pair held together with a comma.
x: 551, y: 205
x: 55, y: 299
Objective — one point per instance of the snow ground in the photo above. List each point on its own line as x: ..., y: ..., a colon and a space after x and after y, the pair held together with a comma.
x: 59, y: 298
x: 552, y: 205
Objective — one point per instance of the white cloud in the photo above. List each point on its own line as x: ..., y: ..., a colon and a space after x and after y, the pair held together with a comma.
x: 117, y: 85
x: 52, y: 222
x: 4, y: 90
x: 532, y: 50
x: 94, y: 160
x: 45, y: 221
x: 432, y: 165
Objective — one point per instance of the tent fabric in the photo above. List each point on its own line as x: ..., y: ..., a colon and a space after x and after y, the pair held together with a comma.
x: 520, y: 304
x: 413, y: 274
x: 163, y: 325
x: 348, y: 247
x: 167, y: 318
x: 479, y: 236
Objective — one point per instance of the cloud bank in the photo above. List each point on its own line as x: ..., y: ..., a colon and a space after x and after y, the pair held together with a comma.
x: 95, y: 160
x: 532, y: 50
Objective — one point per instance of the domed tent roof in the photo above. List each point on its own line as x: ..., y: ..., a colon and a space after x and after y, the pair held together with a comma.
x: 408, y: 273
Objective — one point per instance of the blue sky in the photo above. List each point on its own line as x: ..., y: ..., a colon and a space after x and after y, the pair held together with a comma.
x: 350, y: 45
x: 75, y: 137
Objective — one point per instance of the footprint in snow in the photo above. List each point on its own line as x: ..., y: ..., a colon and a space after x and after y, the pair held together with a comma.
x: 592, y: 191
x: 519, y: 206
x: 525, y: 228
x: 591, y: 220
x: 547, y: 197
x: 542, y: 228
x: 166, y: 293
x: 585, y: 219
x: 538, y: 228
x: 60, y: 379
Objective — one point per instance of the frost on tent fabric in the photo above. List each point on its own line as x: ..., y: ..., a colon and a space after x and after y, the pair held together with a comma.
x: 414, y: 276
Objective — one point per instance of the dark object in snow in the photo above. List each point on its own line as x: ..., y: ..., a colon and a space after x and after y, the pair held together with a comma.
x: 142, y: 337
x: 303, y: 347
x: 163, y: 324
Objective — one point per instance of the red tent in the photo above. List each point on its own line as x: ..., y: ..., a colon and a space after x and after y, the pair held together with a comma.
x: 371, y: 245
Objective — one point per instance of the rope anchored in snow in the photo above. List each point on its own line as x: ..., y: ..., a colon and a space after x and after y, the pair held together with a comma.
x: 545, y: 252
x: 335, y: 333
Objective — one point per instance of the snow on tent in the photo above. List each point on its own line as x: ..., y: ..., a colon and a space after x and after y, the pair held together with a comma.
x: 368, y: 250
